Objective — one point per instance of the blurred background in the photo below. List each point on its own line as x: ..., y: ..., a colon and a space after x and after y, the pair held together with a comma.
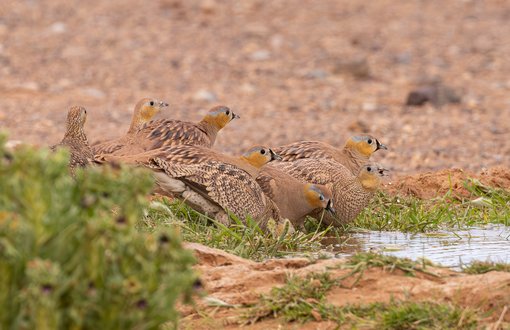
x: 429, y: 78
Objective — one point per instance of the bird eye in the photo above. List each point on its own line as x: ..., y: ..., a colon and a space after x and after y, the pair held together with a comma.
x: 263, y: 152
x: 85, y: 111
x: 151, y: 103
x: 369, y: 169
x: 321, y: 197
x: 369, y: 141
x: 228, y: 112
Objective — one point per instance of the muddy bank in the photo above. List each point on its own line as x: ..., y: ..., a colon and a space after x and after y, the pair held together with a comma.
x: 240, y: 282
x: 433, y: 184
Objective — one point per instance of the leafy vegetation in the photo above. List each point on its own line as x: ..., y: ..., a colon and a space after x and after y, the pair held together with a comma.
x: 70, y: 255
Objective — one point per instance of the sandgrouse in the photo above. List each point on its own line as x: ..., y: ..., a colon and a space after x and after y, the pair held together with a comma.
x: 351, y: 193
x: 295, y: 199
x: 216, y: 184
x: 144, y: 111
x: 75, y: 139
x: 169, y: 132
x: 209, y: 181
x: 356, y: 152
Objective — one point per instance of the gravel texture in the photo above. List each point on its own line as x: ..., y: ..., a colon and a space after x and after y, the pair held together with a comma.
x: 292, y: 69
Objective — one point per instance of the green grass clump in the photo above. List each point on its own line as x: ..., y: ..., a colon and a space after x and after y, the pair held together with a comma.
x: 361, y: 261
x: 304, y: 299
x: 70, y: 255
x: 482, y: 267
x: 423, y: 315
x: 245, y: 240
x: 298, y: 300
x: 409, y: 214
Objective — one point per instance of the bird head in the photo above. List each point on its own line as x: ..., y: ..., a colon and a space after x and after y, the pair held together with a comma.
x: 319, y: 196
x: 364, y: 144
x: 370, y: 176
x: 259, y: 156
x: 220, y: 116
x: 145, y: 110
x: 76, y: 118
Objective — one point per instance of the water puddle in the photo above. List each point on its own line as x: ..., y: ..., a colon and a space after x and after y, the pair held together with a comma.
x: 447, y: 248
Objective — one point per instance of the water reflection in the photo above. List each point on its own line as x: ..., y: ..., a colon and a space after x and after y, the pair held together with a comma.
x: 450, y: 249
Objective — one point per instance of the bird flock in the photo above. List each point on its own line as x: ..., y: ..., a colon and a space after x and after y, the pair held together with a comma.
x: 280, y: 184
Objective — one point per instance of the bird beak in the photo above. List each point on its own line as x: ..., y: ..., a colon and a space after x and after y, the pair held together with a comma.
x: 275, y: 156
x: 382, y: 171
x: 163, y: 104
x: 330, y: 208
x: 381, y: 146
x: 235, y: 115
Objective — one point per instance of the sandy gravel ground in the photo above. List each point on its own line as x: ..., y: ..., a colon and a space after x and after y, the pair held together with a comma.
x: 292, y: 69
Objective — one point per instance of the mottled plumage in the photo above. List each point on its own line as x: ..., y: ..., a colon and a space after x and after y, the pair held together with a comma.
x: 356, y: 152
x: 250, y: 161
x: 226, y: 185
x: 351, y: 193
x: 209, y: 181
x: 294, y: 198
x: 75, y: 139
x: 144, y: 111
x: 169, y: 132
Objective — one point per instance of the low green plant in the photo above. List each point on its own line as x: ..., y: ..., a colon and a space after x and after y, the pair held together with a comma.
x: 482, y: 267
x: 424, y: 315
x: 70, y: 255
x: 298, y: 300
x: 365, y: 260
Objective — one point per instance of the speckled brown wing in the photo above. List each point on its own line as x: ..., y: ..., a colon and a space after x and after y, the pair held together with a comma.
x: 80, y: 156
x: 183, y: 154
x: 303, y: 150
x: 187, y: 154
x: 110, y: 147
x: 80, y: 152
x: 319, y: 171
x: 157, y: 134
x: 267, y: 183
x: 168, y: 132
x: 225, y: 184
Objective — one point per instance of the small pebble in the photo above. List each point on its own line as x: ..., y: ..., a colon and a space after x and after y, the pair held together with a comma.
x: 205, y: 95
x: 58, y: 28
x: 260, y: 55
x: 93, y: 92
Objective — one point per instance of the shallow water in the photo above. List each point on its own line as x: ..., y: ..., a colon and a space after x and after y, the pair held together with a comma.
x: 447, y: 248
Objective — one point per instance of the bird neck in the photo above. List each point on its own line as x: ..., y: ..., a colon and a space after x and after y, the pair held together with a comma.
x: 209, y: 128
x: 74, y: 133
x: 256, y: 160
x: 244, y: 164
x: 136, y: 123
x: 354, y: 158
x: 369, y: 182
